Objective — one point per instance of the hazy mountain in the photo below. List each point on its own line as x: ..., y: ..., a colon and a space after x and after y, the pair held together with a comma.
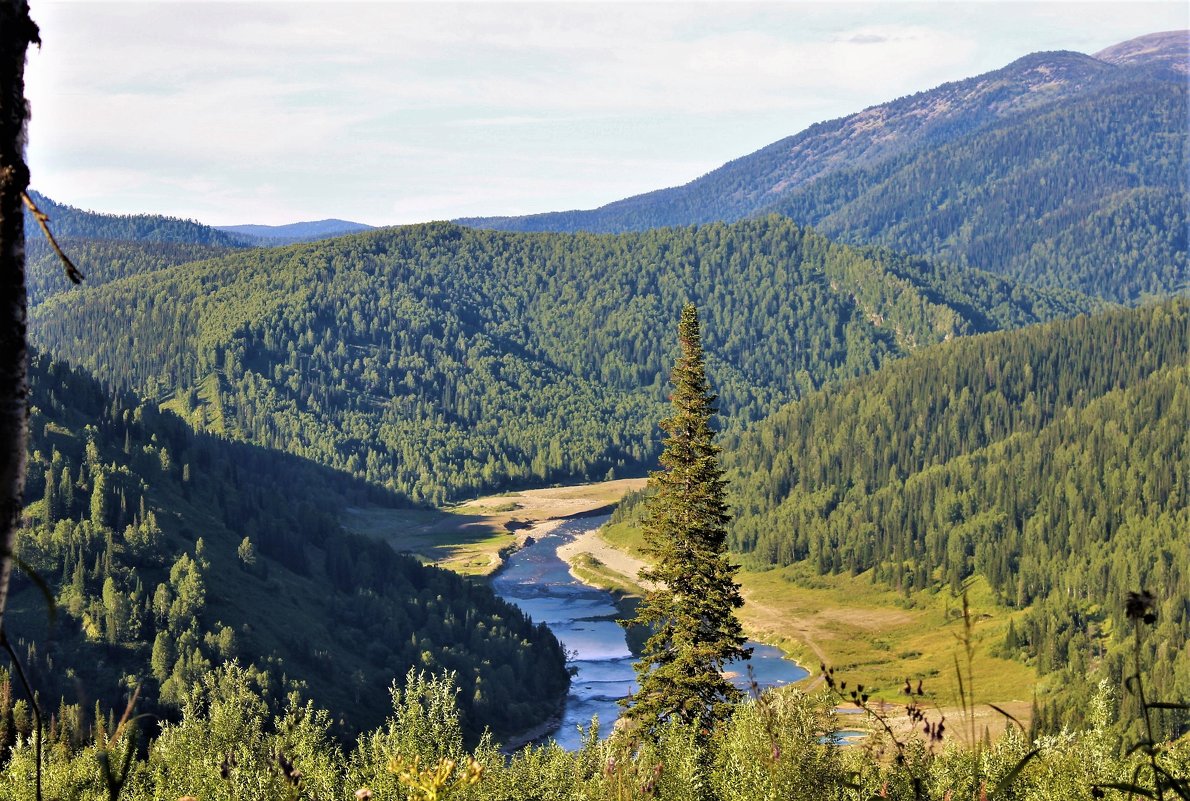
x: 109, y: 246
x: 296, y: 232
x: 1089, y: 194
x: 1112, y: 129
x: 1168, y: 49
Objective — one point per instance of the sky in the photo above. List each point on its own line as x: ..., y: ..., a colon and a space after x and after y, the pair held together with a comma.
x: 394, y: 112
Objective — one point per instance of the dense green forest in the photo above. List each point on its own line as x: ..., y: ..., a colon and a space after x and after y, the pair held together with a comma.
x: 68, y: 222
x: 1053, y: 461
x: 438, y: 361
x: 169, y: 553
x: 106, y: 247
x: 1059, y: 169
x: 103, y: 260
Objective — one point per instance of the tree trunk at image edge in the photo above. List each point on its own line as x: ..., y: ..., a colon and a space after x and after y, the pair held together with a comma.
x: 17, y: 32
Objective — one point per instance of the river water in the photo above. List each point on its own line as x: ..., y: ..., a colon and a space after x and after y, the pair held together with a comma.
x: 584, y: 618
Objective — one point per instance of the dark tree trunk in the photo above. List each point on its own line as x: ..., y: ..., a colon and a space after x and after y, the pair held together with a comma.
x: 17, y: 32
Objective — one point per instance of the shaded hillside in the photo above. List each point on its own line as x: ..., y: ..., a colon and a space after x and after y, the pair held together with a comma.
x: 439, y: 361
x: 103, y: 260
x: 1053, y: 461
x: 170, y: 552
x: 106, y: 247
x: 1058, y: 168
x: 69, y: 222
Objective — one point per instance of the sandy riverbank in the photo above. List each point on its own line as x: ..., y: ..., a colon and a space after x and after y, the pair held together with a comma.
x: 595, y: 546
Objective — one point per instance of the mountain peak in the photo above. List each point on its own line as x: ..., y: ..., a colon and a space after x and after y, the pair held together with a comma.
x: 1168, y: 49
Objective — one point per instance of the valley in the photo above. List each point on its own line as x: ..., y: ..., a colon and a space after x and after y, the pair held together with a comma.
x: 867, y: 632
x: 473, y: 537
x: 369, y: 500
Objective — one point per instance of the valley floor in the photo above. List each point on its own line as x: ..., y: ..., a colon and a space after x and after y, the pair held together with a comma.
x: 472, y: 537
x: 869, y: 634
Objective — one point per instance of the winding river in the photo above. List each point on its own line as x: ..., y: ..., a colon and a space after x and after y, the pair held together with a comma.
x: 584, y: 618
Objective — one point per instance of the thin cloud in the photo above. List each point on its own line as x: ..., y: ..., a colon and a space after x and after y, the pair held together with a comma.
x: 267, y: 111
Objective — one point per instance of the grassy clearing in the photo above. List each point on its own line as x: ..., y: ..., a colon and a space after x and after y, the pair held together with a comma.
x: 465, y: 543
x: 207, y: 411
x: 625, y: 537
x: 873, y: 635
x: 877, y: 637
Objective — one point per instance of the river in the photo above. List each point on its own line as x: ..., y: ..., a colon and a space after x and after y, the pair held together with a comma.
x: 584, y: 618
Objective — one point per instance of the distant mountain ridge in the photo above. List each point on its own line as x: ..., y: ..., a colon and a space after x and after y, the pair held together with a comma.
x: 912, y: 128
x: 1167, y: 48
x: 74, y: 223
x: 296, y: 232
x: 106, y: 247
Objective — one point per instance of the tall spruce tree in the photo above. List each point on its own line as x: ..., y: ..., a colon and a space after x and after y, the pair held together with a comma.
x: 691, y: 613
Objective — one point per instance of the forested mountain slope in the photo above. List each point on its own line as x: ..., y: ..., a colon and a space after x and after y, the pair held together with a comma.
x: 169, y: 552
x: 106, y: 247
x: 1054, y: 461
x: 1089, y: 194
x: 70, y: 222
x: 438, y: 360
x: 1060, y: 168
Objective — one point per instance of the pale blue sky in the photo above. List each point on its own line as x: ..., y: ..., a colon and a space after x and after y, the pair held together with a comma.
x: 385, y: 112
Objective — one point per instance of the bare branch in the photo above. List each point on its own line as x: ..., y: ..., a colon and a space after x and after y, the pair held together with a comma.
x: 43, y: 220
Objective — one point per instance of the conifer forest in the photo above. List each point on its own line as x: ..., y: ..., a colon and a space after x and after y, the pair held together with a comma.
x: 902, y: 398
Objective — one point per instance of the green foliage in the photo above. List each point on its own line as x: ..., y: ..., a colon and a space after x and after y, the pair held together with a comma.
x: 228, y: 746
x: 1051, y: 461
x: 438, y: 361
x: 691, y: 612
x: 773, y: 749
x: 146, y: 560
x: 425, y: 729
x: 103, y: 260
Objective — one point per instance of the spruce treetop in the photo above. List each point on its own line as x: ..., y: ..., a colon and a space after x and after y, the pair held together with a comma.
x: 691, y: 613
